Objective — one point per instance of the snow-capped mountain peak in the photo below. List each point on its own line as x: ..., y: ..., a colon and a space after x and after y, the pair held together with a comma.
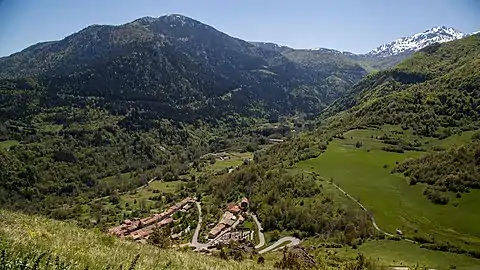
x: 418, y: 41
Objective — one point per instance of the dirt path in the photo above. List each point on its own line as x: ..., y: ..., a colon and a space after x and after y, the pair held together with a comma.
x: 121, y: 193
x: 364, y: 209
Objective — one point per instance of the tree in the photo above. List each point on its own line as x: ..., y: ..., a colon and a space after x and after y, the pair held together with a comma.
x: 160, y: 237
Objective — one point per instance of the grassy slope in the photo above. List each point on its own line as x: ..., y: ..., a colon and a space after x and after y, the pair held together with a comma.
x: 404, y: 253
x: 95, y: 250
x: 236, y: 159
x: 8, y: 144
x: 394, y: 203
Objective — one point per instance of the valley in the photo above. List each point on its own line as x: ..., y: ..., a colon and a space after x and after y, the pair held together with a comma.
x: 147, y: 144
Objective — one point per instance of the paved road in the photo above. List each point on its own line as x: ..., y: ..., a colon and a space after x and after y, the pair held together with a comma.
x: 364, y: 209
x: 195, y: 243
x: 293, y: 242
x: 261, y: 237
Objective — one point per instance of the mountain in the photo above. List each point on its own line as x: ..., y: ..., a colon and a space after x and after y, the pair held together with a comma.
x: 383, y: 57
x: 433, y: 92
x: 150, y: 97
x: 271, y: 46
x: 407, y: 45
x: 184, y: 68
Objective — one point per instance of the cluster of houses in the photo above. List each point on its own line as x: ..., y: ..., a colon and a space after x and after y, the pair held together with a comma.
x: 140, y: 229
x: 230, y: 218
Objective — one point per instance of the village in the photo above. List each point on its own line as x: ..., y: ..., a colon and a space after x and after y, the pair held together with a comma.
x: 227, y: 229
x: 235, y: 223
x: 140, y: 229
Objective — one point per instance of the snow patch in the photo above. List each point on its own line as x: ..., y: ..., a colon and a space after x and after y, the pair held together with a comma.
x: 418, y: 41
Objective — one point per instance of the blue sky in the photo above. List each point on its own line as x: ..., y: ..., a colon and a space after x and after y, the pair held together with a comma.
x: 351, y: 25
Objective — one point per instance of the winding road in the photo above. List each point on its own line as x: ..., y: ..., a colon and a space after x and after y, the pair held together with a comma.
x: 199, y: 246
x: 195, y: 243
x: 293, y: 242
x: 260, y: 231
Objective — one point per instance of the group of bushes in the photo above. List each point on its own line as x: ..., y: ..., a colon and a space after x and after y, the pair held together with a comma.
x: 436, y: 196
x: 446, y: 247
x: 453, y: 170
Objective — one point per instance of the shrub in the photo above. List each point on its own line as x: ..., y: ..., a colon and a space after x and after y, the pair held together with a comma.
x: 422, y: 240
x: 435, y: 196
x: 394, y: 149
x: 391, y: 141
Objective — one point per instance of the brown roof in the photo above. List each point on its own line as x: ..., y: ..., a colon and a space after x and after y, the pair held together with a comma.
x: 216, y: 230
x: 228, y: 218
x: 233, y: 208
x: 129, y: 227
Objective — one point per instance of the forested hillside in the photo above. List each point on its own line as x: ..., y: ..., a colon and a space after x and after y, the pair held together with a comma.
x: 178, y: 68
x: 141, y: 99
x: 433, y: 92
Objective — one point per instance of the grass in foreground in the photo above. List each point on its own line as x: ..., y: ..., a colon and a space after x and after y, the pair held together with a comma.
x: 83, y: 249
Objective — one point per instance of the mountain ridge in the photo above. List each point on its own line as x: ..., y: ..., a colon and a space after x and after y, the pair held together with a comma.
x: 417, y: 41
x: 181, y: 64
x: 419, y: 93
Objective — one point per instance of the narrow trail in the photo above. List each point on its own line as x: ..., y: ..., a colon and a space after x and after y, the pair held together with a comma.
x: 364, y: 209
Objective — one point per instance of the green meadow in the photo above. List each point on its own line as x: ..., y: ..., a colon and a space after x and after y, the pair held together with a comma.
x: 366, y: 173
x: 8, y: 144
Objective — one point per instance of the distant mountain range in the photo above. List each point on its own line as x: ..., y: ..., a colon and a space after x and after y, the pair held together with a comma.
x: 418, y: 41
x: 402, y: 46
x: 183, y: 69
